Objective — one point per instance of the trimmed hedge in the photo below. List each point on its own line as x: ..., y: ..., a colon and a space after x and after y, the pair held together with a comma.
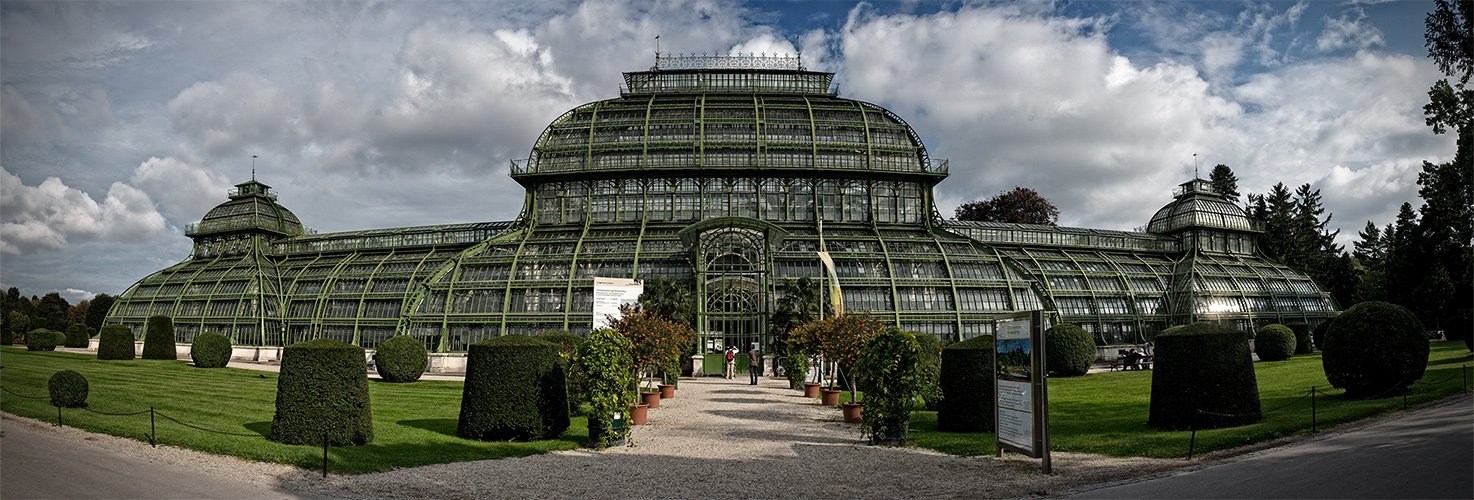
x: 68, y: 389
x: 967, y: 386
x: 210, y: 350
x: 1203, y: 366
x: 1071, y: 350
x: 402, y: 358
x: 7, y: 336
x: 77, y: 335
x: 576, y: 382
x: 1303, y: 344
x: 41, y: 339
x: 931, y: 386
x: 515, y: 390
x: 323, y: 385
x: 158, y: 339
x: 115, y: 342
x: 1318, y: 336
x: 1374, y: 349
x: 1275, y: 342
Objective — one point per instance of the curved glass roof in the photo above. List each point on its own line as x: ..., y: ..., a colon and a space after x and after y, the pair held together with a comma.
x: 1197, y: 205
x: 252, y: 205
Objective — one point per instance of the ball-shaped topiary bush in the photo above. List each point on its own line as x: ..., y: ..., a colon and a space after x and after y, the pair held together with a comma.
x: 1374, y: 349
x: 514, y: 391
x: 967, y: 386
x: 158, y: 338
x: 210, y: 350
x: 76, y: 335
x: 607, y: 362
x: 115, y: 342
x: 1303, y: 342
x: 41, y: 339
x: 1275, y: 343
x: 68, y: 389
x: 1207, y: 367
x: 1070, y: 350
x: 402, y: 358
x: 323, y: 385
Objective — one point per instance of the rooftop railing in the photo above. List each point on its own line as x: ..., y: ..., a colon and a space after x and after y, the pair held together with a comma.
x: 582, y: 164
x: 730, y: 61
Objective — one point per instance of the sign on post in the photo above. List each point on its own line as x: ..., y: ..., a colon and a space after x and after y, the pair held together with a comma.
x: 610, y: 293
x: 1022, y: 409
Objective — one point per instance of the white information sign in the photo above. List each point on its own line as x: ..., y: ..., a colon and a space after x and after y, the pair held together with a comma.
x: 1015, y: 414
x: 1022, y: 397
x: 610, y: 294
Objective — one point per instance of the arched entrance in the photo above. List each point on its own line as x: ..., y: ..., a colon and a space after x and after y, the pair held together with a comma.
x: 733, y: 306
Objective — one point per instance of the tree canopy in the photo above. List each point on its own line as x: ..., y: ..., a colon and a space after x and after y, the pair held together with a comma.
x: 1021, y: 205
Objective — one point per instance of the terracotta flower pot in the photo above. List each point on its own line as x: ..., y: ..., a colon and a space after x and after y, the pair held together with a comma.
x: 651, y: 399
x: 829, y: 397
x: 853, y: 413
x: 638, y: 414
x: 811, y: 390
x: 667, y: 391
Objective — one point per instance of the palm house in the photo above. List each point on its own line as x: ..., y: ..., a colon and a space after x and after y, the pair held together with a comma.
x: 730, y: 175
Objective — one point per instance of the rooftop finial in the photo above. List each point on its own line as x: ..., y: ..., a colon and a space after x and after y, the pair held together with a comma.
x: 253, y: 167
x: 1195, y: 165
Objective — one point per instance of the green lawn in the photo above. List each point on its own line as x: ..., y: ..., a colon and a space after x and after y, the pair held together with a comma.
x: 1106, y: 413
x: 414, y: 423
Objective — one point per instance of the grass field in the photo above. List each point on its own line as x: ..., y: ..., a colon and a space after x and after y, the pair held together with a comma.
x: 414, y: 423
x: 1106, y: 413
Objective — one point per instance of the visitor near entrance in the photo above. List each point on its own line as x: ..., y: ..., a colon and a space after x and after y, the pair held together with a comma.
x: 754, y: 363
x: 731, y: 371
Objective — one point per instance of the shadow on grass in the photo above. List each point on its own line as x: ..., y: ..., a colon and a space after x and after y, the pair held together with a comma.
x: 262, y: 428
x: 444, y: 426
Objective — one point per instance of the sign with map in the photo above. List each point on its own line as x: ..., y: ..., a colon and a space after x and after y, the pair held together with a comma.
x: 1022, y: 408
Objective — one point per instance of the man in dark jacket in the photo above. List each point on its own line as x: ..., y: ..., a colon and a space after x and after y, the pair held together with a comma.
x: 754, y: 363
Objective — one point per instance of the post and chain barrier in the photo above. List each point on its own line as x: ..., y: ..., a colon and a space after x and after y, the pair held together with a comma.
x: 1192, y: 439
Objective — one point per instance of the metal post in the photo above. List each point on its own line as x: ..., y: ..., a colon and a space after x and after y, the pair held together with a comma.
x: 1193, y: 440
x: 324, y: 452
x: 58, y: 416
x: 1312, y: 409
x: 153, y: 431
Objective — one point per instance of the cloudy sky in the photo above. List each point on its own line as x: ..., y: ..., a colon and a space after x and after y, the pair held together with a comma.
x: 124, y: 121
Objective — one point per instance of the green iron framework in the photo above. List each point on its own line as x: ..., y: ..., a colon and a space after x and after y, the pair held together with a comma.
x: 729, y: 175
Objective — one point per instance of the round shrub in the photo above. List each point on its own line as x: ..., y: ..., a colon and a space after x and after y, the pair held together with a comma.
x: 1071, y: 350
x: 158, y: 339
x: 967, y: 386
x: 41, y: 339
x: 402, y: 358
x: 1374, y: 349
x: 931, y: 385
x: 210, y: 350
x: 323, y: 385
x: 1275, y: 343
x: 68, y: 389
x: 115, y: 342
x: 1303, y: 343
x: 77, y: 336
x: 514, y: 391
x: 1318, y: 335
x: 892, y: 371
x: 1203, y: 366
x: 610, y: 368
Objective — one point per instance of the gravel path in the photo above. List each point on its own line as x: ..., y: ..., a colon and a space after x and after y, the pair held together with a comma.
x: 716, y: 439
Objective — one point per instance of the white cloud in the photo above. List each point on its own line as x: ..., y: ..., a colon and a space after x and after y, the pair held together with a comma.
x: 184, y: 191
x: 45, y: 216
x: 1349, y: 31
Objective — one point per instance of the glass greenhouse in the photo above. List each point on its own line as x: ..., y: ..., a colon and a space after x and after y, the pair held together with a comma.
x: 730, y: 175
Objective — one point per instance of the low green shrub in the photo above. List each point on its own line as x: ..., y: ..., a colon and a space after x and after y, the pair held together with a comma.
x: 115, y: 342
x: 1304, y: 344
x: 891, y: 371
x: 41, y: 339
x: 1207, y: 367
x: 1071, y: 350
x: 77, y: 336
x: 798, y: 348
x: 931, y: 384
x: 7, y: 336
x: 323, y: 385
x: 1374, y: 349
x: 967, y: 386
x: 606, y: 360
x: 402, y: 358
x: 514, y: 391
x: 158, y: 338
x: 68, y: 389
x: 210, y: 350
x: 1275, y: 342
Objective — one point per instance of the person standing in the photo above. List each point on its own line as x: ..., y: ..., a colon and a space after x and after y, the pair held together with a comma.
x: 731, y: 371
x: 754, y: 363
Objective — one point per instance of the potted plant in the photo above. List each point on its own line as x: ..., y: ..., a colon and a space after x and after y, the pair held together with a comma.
x: 656, y: 345
x: 842, y: 339
x: 892, y: 370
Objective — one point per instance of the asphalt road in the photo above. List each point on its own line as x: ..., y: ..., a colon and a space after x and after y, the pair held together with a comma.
x: 1426, y: 453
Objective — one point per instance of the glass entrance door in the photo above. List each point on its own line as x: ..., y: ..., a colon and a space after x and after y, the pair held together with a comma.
x: 732, y: 295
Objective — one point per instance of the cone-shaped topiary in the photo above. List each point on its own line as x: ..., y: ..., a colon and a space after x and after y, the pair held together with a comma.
x: 77, y: 335
x: 402, y: 358
x: 967, y: 386
x: 1070, y: 350
x: 41, y: 339
x: 323, y: 385
x: 1303, y: 341
x: 1203, y: 366
x: 514, y: 391
x: 210, y: 350
x: 115, y: 342
x: 1275, y: 342
x: 1374, y: 349
x: 68, y: 389
x: 158, y: 339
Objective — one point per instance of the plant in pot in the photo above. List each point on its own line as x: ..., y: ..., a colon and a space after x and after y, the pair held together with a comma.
x: 892, y: 370
x: 656, y: 345
x: 843, y: 339
x: 798, y: 307
x: 801, y: 345
x: 605, y: 361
